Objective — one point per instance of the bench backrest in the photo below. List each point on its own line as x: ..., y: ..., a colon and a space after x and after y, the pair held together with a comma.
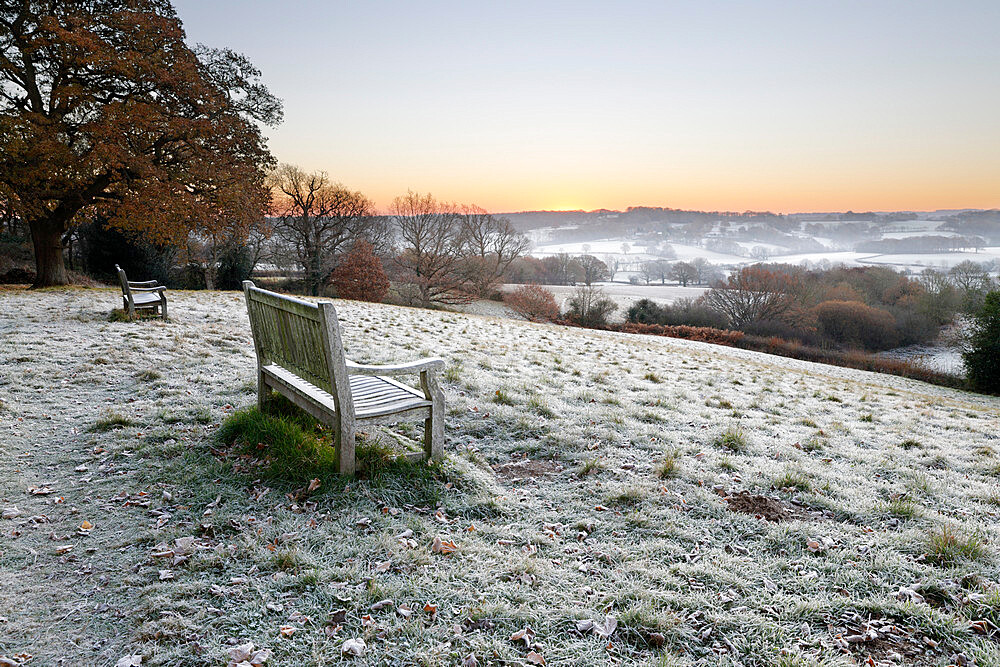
x: 301, y: 337
x: 126, y: 292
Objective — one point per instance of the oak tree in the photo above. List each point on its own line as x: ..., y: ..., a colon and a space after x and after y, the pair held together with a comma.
x: 104, y: 109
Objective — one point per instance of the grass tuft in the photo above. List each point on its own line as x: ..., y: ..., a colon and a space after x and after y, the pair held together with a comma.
x: 111, y: 422
x: 949, y: 547
x: 792, y: 479
x: 732, y: 439
x: 669, y: 466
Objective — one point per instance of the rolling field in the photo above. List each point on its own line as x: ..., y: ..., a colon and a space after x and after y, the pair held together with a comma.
x: 606, y: 499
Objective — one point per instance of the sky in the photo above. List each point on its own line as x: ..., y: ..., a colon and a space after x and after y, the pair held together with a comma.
x: 801, y: 105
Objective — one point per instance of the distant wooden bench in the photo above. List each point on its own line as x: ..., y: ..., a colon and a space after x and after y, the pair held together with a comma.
x: 300, y: 355
x: 146, y: 295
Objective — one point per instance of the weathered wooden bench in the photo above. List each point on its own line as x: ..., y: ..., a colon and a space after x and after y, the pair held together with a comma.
x: 300, y: 355
x: 144, y: 295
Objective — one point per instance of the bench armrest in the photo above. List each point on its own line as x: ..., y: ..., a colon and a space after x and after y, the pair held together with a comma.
x: 419, y: 366
x: 141, y: 283
x: 148, y: 289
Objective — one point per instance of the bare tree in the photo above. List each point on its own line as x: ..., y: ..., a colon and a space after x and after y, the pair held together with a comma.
x: 594, y: 269
x: 648, y: 271
x: 755, y: 294
x: 489, y: 246
x: 431, y: 252
x: 613, y: 264
x: 316, y: 219
x: 683, y: 273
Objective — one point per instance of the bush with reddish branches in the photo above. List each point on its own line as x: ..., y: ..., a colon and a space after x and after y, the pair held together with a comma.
x: 360, y: 275
x: 533, y: 302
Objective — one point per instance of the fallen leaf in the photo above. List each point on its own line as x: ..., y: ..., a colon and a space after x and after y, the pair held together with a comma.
x: 535, y: 658
x: 443, y: 547
x: 430, y: 608
x: 129, y: 661
x: 66, y: 548
x: 165, y: 575
x: 381, y: 604
x: 86, y: 525
x: 355, y: 647
x: 526, y: 634
x: 11, y: 512
x: 287, y: 630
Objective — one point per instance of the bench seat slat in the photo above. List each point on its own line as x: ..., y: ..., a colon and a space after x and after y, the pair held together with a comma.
x: 388, y: 399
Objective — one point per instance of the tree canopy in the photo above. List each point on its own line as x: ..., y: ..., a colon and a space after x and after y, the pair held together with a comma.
x: 105, y: 108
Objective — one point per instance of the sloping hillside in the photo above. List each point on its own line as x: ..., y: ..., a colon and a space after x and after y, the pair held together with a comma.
x: 591, y: 476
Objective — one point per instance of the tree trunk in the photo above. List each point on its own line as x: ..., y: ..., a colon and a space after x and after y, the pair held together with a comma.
x: 50, y: 269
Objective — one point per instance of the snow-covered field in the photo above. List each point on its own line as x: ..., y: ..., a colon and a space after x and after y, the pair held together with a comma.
x: 914, y: 262
x: 604, y: 491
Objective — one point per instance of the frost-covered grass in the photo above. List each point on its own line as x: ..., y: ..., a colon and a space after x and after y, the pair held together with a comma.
x: 589, y: 474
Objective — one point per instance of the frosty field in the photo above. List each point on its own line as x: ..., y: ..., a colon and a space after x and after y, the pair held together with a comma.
x: 590, y: 476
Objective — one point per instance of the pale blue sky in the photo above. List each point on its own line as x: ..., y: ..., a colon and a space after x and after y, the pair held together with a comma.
x: 713, y: 105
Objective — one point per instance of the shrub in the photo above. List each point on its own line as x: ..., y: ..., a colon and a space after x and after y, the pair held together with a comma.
x: 682, y: 312
x: 982, y: 355
x: 855, y: 324
x: 235, y: 265
x: 360, y: 275
x: 533, y: 303
x: 589, y: 307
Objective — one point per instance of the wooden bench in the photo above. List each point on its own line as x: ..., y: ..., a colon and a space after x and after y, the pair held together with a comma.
x: 146, y: 295
x: 300, y: 355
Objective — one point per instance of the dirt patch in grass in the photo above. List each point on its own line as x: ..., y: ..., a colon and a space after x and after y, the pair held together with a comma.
x: 762, y: 506
x: 886, y: 639
x: 526, y: 469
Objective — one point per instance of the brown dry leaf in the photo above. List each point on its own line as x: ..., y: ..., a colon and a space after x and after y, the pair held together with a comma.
x: 404, y: 610
x: 431, y: 608
x: 86, y: 525
x: 382, y: 604
x: 287, y: 630
x: 443, y: 547
x: 355, y: 647
x: 313, y: 485
x: 383, y: 566
x: 535, y: 658
x: 526, y: 634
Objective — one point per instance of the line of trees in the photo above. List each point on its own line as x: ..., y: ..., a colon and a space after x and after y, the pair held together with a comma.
x: 870, y: 308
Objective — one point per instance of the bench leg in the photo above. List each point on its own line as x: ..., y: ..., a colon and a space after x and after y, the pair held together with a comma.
x: 345, y: 446
x: 163, y: 309
x: 262, y: 390
x: 130, y: 307
x: 433, y: 425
